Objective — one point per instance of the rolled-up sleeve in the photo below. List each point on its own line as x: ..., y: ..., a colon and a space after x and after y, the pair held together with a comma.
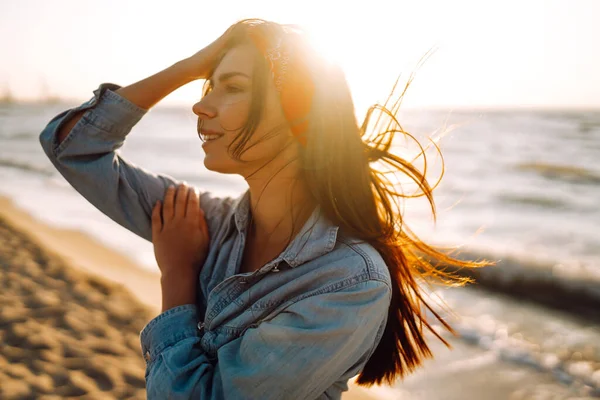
x: 88, y: 159
x: 297, y: 354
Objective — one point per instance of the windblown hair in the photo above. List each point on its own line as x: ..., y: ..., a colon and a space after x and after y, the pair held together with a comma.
x: 345, y: 164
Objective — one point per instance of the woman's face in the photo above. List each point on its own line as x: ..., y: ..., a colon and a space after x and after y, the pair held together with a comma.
x: 225, y: 109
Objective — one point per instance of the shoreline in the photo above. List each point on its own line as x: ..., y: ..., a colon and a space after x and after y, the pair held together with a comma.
x: 79, y: 251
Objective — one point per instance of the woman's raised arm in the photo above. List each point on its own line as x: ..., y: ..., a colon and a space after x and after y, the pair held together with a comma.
x: 143, y: 94
x: 147, y: 92
x: 82, y: 145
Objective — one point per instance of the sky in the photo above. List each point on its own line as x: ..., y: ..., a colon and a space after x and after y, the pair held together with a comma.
x: 485, y: 54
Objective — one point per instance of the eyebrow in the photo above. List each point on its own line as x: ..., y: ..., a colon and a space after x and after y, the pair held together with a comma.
x: 228, y: 75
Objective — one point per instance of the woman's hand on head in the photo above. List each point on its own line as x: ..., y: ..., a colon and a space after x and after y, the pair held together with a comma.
x: 200, y: 64
x: 180, y: 234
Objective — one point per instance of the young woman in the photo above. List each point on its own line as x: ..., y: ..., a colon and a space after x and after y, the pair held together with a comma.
x: 308, y: 278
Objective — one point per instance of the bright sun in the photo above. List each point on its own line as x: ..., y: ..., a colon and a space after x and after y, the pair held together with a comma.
x: 363, y: 84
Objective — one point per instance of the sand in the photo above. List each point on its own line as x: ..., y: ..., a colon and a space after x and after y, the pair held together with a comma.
x: 71, y: 311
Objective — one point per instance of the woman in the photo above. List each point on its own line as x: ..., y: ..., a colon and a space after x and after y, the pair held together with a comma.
x: 305, y: 280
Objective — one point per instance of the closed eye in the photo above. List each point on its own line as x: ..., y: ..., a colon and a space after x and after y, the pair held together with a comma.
x: 233, y: 89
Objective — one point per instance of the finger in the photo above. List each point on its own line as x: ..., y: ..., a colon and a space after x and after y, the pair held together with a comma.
x: 193, y: 204
x: 181, y: 201
x: 156, y: 219
x: 202, y: 219
x: 203, y: 224
x: 204, y: 227
x: 168, y: 206
x: 228, y: 32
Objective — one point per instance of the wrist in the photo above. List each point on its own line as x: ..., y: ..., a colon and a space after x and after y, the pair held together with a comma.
x: 188, y: 68
x: 173, y: 296
x: 183, y: 284
x: 176, y: 278
x: 168, y: 303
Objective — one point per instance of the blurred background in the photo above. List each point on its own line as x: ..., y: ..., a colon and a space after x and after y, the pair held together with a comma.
x: 511, y: 95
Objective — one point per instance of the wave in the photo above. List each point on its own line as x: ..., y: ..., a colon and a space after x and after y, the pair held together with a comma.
x: 538, y: 201
x: 589, y: 126
x: 571, y: 288
x: 25, y: 167
x: 568, y: 368
x: 567, y: 173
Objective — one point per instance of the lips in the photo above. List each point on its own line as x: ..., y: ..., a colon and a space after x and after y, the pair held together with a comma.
x: 208, y: 135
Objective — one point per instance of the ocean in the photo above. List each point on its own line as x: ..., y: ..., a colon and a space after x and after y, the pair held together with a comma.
x: 520, y: 187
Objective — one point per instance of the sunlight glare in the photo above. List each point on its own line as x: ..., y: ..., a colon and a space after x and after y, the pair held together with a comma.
x: 347, y: 47
x: 326, y: 45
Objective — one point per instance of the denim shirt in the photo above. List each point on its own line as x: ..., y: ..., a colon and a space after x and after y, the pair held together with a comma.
x: 297, y: 328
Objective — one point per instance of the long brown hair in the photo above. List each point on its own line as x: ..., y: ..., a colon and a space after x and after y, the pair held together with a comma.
x: 345, y: 165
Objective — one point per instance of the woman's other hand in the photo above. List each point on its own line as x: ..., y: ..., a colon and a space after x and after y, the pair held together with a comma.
x: 180, y: 237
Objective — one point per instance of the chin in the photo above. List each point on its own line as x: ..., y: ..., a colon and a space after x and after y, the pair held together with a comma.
x: 218, y: 165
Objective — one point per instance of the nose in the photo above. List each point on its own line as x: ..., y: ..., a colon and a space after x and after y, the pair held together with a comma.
x: 204, y: 110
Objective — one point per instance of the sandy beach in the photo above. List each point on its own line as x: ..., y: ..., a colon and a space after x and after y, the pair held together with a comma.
x: 70, y: 314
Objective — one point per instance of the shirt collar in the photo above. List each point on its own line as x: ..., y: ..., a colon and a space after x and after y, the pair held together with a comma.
x: 317, y: 236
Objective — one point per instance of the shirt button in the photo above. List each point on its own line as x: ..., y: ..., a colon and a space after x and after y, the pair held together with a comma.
x: 147, y: 356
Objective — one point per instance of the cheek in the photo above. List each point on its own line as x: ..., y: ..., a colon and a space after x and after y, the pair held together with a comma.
x: 270, y: 137
x: 233, y: 116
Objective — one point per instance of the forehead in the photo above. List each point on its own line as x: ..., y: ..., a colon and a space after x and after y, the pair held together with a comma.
x: 238, y: 59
